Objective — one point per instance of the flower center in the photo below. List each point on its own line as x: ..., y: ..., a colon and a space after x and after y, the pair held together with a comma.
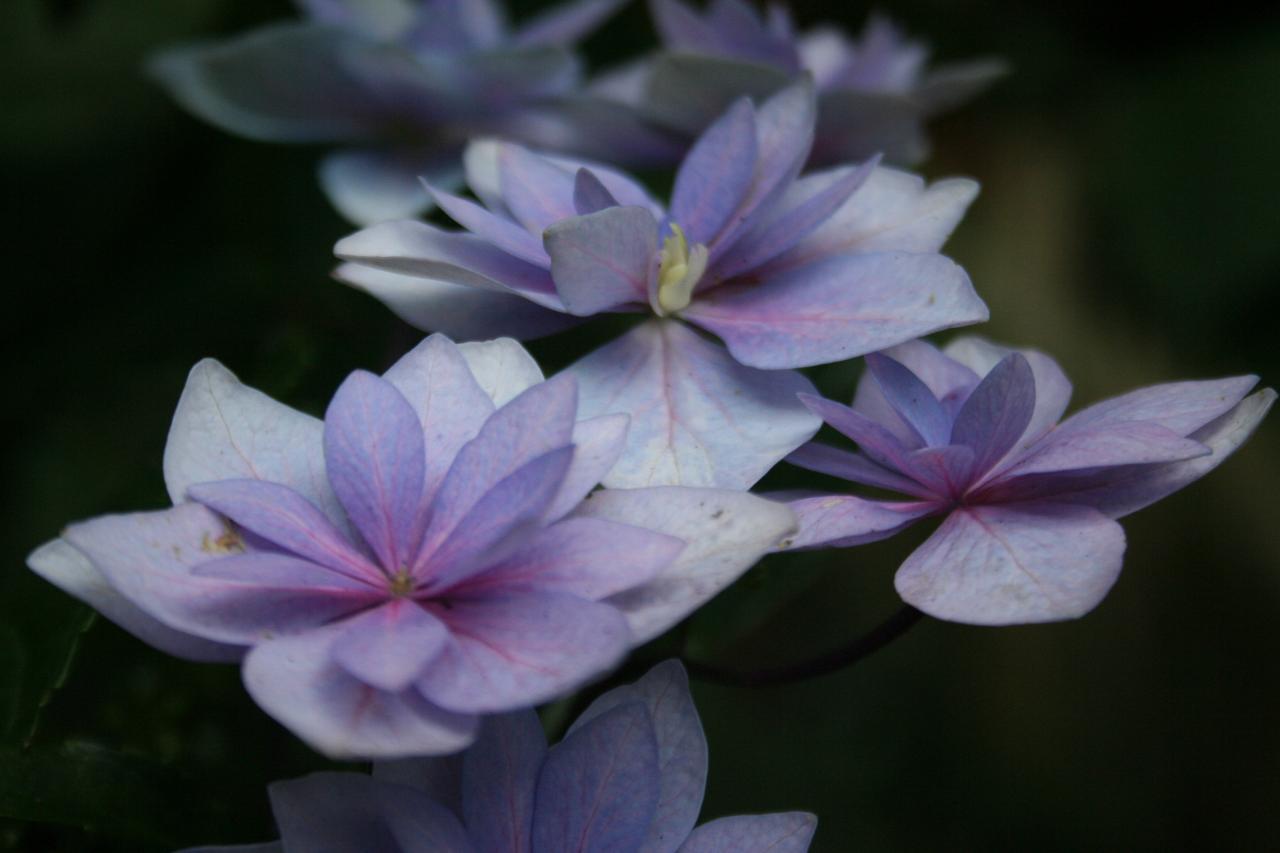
x: 402, y: 584
x: 678, y: 271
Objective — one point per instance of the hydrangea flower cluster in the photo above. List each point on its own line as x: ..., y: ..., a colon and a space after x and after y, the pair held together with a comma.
x: 461, y: 539
x: 628, y: 776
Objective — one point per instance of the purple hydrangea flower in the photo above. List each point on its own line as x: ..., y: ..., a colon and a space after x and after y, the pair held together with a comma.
x: 627, y: 778
x: 426, y: 554
x: 788, y: 271
x: 1029, y: 504
x: 875, y: 90
x: 402, y: 84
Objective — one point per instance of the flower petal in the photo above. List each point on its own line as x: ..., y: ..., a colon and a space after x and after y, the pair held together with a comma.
x: 911, y: 400
x: 682, y: 749
x: 725, y: 533
x: 598, y: 443
x: 373, y: 449
x: 494, y: 229
x: 856, y: 467
x: 997, y: 412
x: 504, y: 369
x: 837, y: 308
x: 697, y: 416
x: 69, y: 569
x: 389, y: 646
x: 603, y: 260
x: 1011, y: 564
x: 590, y: 195
x: 566, y: 23
x: 716, y: 174
x: 369, y: 185
x: 499, y: 777
x: 514, y: 648
x: 295, y: 680
x: 687, y: 91
x: 536, y: 192
x: 1142, y: 442
x: 882, y: 446
x: 787, y: 832
x: 1178, y: 406
x: 599, y: 787
x: 842, y: 521
x: 949, y: 381
x: 381, y: 19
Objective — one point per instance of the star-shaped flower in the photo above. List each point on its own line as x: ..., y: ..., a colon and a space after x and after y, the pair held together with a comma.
x: 427, y: 554
x: 628, y: 777
x: 788, y: 271
x: 1029, y: 504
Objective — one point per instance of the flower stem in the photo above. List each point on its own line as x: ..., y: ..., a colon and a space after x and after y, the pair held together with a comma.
x: 833, y: 661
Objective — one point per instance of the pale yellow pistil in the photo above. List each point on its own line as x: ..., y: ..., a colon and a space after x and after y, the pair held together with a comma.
x: 679, y: 271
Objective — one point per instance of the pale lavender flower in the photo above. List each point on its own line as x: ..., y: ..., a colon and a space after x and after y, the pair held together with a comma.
x: 627, y: 778
x: 426, y: 554
x: 1029, y: 504
x: 876, y: 91
x: 788, y: 271
x: 402, y: 84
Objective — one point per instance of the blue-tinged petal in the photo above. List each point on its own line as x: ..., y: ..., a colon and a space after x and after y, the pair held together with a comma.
x: 566, y: 23
x: 882, y: 446
x: 1133, y: 443
x: 725, y: 533
x: 590, y: 194
x: 587, y: 557
x: 598, y: 444
x: 71, y: 570
x: 911, y: 400
x: 1181, y: 407
x: 1053, y: 389
x: 504, y: 369
x: 682, y: 749
x: 499, y: 778
x: 535, y: 191
x: 274, y: 569
x: 512, y: 238
x: 598, y: 789
x: 389, y: 646
x: 149, y: 559
x: 457, y: 27
x: 380, y: 19
x: 784, y: 135
x: 1012, y: 564
x: 283, y: 83
x: 947, y: 472
x: 352, y: 811
x: 687, y: 91
x: 373, y: 450
x: 855, y: 467
x: 838, y: 308
x: 788, y: 832
x: 681, y: 28
x: 841, y: 521
x: 369, y: 185
x: 512, y: 648
x: 997, y: 412
x: 949, y: 381
x: 716, y: 175
x: 603, y: 260
x: 295, y: 680
x: 697, y: 416
x: 287, y: 519
x: 224, y: 430
x: 747, y: 36
x: 458, y: 310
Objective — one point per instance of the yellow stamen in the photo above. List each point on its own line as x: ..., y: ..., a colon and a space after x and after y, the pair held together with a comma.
x: 679, y: 271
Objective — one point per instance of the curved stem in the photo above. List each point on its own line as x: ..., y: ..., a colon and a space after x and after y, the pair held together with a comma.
x: 833, y: 661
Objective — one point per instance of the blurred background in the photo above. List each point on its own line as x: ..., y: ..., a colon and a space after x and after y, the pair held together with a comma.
x: 1128, y: 225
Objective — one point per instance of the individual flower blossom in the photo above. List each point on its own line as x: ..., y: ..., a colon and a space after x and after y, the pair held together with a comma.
x: 876, y: 91
x: 1029, y: 504
x: 788, y: 271
x: 401, y: 85
x: 426, y: 554
x: 627, y: 778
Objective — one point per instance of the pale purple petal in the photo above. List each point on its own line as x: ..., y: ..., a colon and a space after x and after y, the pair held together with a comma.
x: 1178, y: 406
x: 352, y: 811
x: 497, y: 524
x: 295, y: 681
x: 997, y: 412
x: 497, y: 230
x: 373, y: 449
x: 66, y: 567
x: 687, y: 91
x: 949, y: 381
x: 748, y: 36
x: 535, y: 191
x: 682, y: 750
x: 463, y: 26
x: 855, y: 467
x: 460, y: 311
x: 369, y: 185
x: 599, y: 787
x: 841, y: 521
x: 884, y: 448
x: 598, y: 443
x: 838, y: 308
x: 1003, y: 565
x: 274, y: 569
x: 422, y: 250
x: 1053, y: 389
x: 389, y: 646
x: 566, y: 23
x: 286, y: 519
x: 725, y: 533
x: 911, y: 400
x: 223, y: 430
x: 590, y: 194
x: 587, y: 557
x: 602, y: 260
x: 1132, y: 443
x: 947, y: 472
x: 697, y: 416
x: 504, y: 369
x: 680, y: 27
x: 716, y: 175
x: 148, y: 557
x: 620, y: 185
x: 789, y: 832
x: 499, y: 777
x: 512, y: 649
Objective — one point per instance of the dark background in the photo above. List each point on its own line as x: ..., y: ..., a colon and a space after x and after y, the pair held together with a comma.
x: 1128, y: 225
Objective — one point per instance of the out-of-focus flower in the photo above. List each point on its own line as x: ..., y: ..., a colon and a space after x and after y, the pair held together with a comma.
x: 403, y: 84
x: 628, y: 777
x: 972, y: 434
x: 426, y: 554
x: 875, y: 90
x: 787, y: 271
